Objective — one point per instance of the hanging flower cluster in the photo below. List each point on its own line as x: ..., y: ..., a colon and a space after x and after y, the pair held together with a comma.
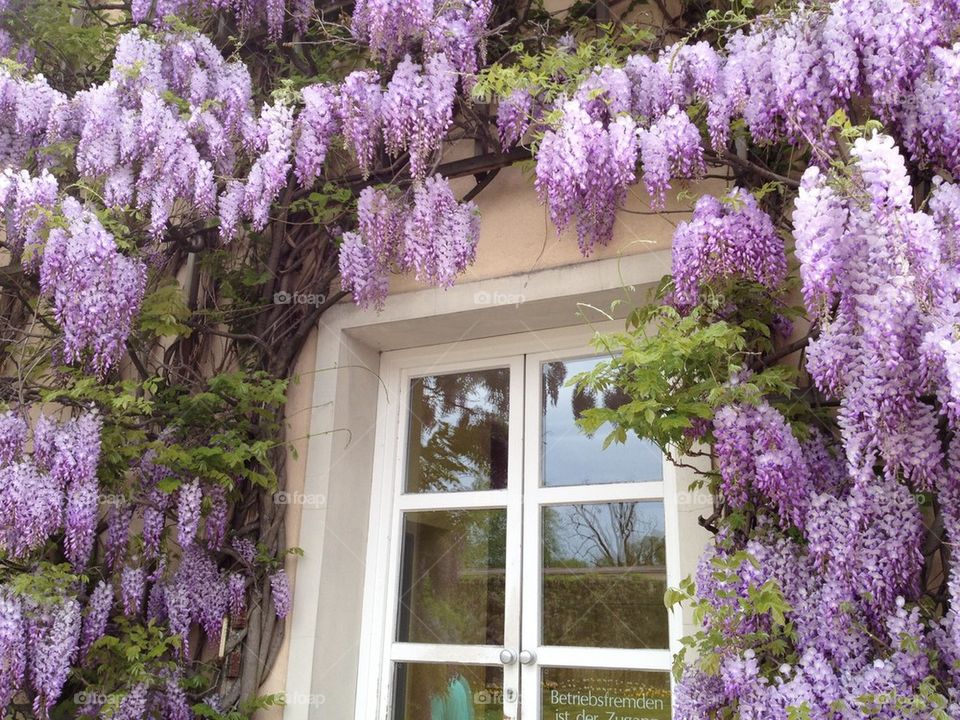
x: 417, y: 109
x: 877, y: 262
x: 785, y: 77
x: 726, y: 238
x: 249, y: 14
x: 880, y: 279
x: 433, y: 235
x: 452, y: 29
x: 55, y: 490
x: 96, y: 290
x: 583, y: 171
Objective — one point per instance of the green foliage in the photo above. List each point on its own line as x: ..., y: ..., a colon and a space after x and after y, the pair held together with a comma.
x: 244, y: 712
x: 135, y: 653
x: 677, y: 370
x: 164, y: 312
x: 47, y: 582
x: 553, y: 71
x: 326, y: 206
x: 70, y: 49
x: 227, y: 431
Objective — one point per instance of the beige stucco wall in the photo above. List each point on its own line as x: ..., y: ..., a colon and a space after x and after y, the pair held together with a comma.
x: 517, y: 236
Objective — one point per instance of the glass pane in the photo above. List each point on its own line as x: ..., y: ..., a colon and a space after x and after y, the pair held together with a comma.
x: 440, y: 691
x: 458, y: 431
x: 604, y: 575
x: 452, y: 577
x: 578, y: 694
x: 568, y: 456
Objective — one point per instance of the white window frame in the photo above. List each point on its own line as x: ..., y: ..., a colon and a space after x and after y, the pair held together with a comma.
x: 378, y: 652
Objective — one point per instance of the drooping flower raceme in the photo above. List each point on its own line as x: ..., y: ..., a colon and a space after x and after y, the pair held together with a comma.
x: 133, y: 587
x: 670, y: 148
x: 28, y: 203
x: 930, y: 122
x: 96, y: 291
x: 440, y: 234
x: 13, y: 435
x: 390, y: 27
x: 434, y: 236
x: 280, y: 587
x: 584, y: 170
x: 758, y: 453
x: 249, y: 13
x: 13, y: 646
x: 97, y: 616
x: 53, y: 635
x: 869, y: 351
x: 189, y: 499
x: 418, y: 109
x: 453, y: 28
x: 726, y: 238
x: 367, y: 255
x: 316, y: 125
x: 513, y: 117
x: 360, y: 100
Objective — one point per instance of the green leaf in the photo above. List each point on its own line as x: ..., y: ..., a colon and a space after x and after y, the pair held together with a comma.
x: 164, y: 312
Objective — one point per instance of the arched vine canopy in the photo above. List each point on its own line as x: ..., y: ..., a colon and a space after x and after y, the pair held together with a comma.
x: 187, y: 185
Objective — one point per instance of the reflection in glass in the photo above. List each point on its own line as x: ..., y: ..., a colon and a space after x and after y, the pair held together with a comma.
x: 604, y: 575
x: 442, y: 691
x: 457, y: 436
x: 452, y: 577
x: 568, y: 456
x: 570, y: 693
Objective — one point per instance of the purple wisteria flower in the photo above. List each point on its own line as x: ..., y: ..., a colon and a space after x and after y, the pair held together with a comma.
x: 189, y: 501
x: 13, y: 434
x: 670, y: 148
x: 53, y: 636
x: 280, y: 588
x: 13, y: 647
x: 96, y: 290
x: 97, y: 616
x: 360, y: 99
x: 417, y: 109
x: 583, y: 171
x: 133, y: 588
x: 726, y: 238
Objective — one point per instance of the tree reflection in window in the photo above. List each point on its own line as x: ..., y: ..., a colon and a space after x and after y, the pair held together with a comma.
x: 458, y: 431
x: 604, y: 575
x: 570, y: 457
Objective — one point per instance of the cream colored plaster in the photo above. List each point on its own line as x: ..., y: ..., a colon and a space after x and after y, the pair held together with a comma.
x: 516, y: 235
x: 299, y: 410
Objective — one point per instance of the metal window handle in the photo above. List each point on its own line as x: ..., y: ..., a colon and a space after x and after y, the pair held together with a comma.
x: 528, y: 657
x: 508, y: 657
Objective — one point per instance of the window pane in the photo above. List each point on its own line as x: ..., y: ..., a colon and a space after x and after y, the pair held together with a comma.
x: 452, y: 577
x: 568, y: 457
x: 440, y: 691
x: 604, y: 575
x: 458, y: 431
x: 579, y: 694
